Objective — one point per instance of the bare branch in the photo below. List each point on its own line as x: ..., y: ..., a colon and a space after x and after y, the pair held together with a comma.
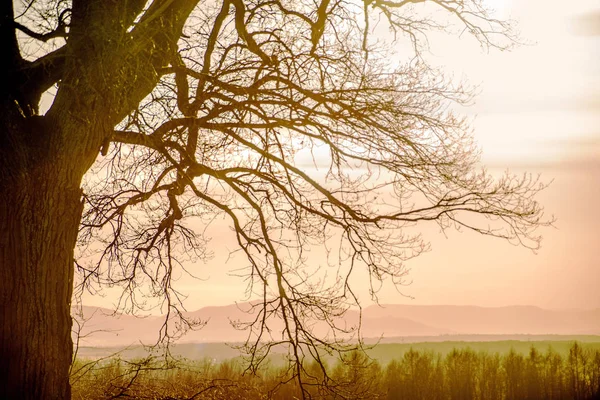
x: 250, y: 90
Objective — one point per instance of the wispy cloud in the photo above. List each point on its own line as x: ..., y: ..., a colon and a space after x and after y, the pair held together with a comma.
x: 564, y: 153
x: 587, y: 24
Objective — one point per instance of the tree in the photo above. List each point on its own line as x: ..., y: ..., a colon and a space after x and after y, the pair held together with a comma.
x: 194, y: 110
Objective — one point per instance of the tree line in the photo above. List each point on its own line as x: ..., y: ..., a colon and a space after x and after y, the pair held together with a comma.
x: 462, y: 374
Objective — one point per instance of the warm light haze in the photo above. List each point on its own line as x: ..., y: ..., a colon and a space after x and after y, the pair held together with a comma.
x: 298, y: 199
x: 538, y: 111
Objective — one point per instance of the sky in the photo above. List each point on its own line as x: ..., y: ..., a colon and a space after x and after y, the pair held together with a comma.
x: 538, y: 111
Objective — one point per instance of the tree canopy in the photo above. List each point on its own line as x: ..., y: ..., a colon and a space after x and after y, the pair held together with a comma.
x: 194, y: 111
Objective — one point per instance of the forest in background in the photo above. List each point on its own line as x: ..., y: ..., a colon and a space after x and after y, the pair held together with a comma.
x: 458, y: 374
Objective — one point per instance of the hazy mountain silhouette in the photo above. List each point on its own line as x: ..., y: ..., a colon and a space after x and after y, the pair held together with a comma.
x: 103, y: 328
x: 496, y: 320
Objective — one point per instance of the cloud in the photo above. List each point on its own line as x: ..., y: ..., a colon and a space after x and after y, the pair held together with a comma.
x: 587, y: 24
x: 581, y: 153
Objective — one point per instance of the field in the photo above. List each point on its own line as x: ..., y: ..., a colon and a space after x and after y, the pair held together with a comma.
x: 449, y: 370
x: 383, y: 350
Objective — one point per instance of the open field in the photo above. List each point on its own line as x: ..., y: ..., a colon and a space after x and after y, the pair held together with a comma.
x: 385, y: 351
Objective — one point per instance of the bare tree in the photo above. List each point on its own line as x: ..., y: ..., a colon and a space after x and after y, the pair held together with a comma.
x: 193, y: 111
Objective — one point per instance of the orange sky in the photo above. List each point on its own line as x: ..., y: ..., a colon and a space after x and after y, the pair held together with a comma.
x: 539, y: 110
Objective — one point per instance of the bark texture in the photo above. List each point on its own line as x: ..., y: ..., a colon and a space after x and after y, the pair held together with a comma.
x: 102, y: 72
x: 40, y: 208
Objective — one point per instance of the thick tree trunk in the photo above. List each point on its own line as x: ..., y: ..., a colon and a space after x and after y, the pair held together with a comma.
x: 40, y: 211
x: 105, y: 70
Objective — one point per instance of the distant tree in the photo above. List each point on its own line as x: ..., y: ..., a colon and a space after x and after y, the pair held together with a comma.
x: 419, y: 375
x: 514, y: 368
x: 490, y: 375
x: 579, y: 365
x: 553, y: 384
x: 191, y: 111
x: 533, y: 372
x: 461, y: 373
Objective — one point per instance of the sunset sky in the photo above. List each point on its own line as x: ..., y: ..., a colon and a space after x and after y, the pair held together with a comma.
x: 538, y: 111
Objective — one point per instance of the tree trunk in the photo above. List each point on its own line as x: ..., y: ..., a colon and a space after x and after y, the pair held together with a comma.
x: 105, y: 70
x: 40, y: 210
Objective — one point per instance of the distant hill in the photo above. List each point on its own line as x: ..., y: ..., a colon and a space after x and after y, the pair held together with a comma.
x: 105, y: 328
x: 495, y: 320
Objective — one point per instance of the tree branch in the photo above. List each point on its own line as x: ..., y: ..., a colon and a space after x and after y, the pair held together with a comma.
x: 8, y: 38
x: 41, y: 74
x: 60, y: 31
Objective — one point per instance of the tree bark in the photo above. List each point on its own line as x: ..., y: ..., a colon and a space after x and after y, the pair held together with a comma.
x: 105, y: 70
x: 40, y: 210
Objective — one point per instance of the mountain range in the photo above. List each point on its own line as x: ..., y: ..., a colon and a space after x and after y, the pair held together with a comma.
x: 103, y: 327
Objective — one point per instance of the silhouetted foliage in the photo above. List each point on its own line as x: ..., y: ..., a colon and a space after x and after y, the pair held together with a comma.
x: 196, y: 112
